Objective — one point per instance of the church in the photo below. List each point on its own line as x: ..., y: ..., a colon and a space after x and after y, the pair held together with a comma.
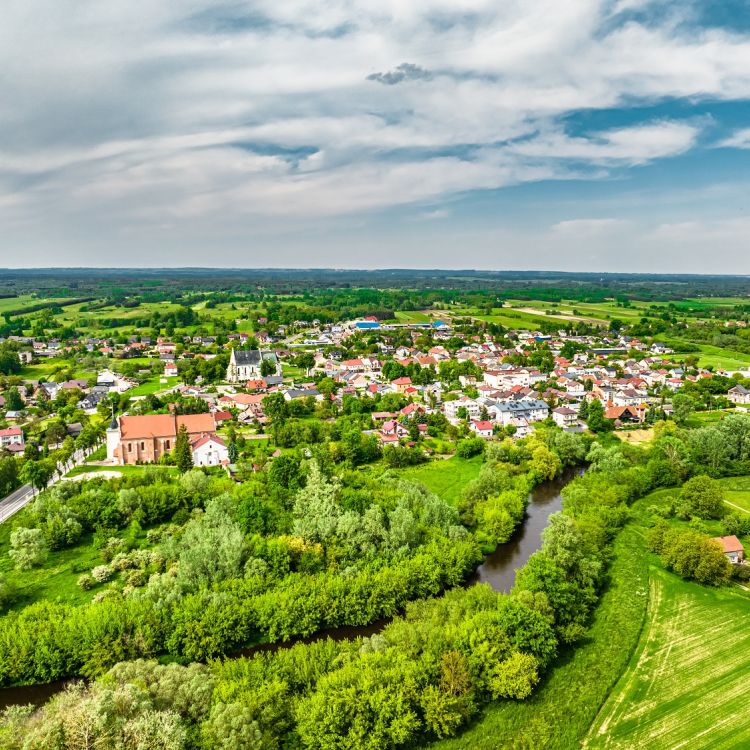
x: 245, y: 364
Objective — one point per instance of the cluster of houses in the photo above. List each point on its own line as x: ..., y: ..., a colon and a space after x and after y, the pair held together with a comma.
x: 499, y: 396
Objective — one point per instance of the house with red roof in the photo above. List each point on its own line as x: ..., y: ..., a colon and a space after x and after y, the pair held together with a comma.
x: 732, y: 548
x: 482, y: 428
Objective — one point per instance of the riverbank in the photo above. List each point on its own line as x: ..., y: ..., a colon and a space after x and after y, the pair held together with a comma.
x: 497, y: 570
x: 560, y: 712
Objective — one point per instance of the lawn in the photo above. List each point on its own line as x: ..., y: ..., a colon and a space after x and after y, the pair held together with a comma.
x: 411, y: 316
x: 57, y: 579
x: 719, y: 358
x: 153, y: 385
x: 686, y: 684
x: 445, y: 477
x: 737, y: 493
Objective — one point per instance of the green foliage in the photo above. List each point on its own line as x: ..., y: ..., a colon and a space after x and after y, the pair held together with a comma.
x: 183, y: 455
x: 690, y: 554
x: 27, y: 548
x: 596, y: 420
x: 469, y: 447
x: 702, y: 497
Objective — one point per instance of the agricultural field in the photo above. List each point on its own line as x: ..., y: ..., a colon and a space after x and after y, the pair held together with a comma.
x: 718, y: 358
x: 686, y: 684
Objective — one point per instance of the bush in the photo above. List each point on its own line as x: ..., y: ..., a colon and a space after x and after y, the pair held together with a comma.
x: 86, y: 581
x: 470, y: 447
x: 690, y: 554
x: 28, y: 548
x: 102, y: 573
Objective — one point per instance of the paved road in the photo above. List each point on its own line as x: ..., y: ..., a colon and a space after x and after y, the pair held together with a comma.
x: 15, y: 501
x: 20, y: 497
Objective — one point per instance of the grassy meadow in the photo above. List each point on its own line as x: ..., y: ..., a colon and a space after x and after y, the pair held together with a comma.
x: 446, y: 478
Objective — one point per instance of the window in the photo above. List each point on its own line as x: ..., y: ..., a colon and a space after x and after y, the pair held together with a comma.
x: 143, y: 445
x: 130, y: 447
x: 166, y: 445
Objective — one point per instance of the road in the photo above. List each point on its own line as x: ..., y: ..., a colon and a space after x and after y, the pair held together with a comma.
x: 20, y: 497
x: 15, y: 501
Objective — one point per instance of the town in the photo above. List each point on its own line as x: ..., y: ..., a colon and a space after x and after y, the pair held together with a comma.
x: 207, y: 485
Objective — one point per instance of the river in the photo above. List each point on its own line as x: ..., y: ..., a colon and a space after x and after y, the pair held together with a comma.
x: 498, y: 570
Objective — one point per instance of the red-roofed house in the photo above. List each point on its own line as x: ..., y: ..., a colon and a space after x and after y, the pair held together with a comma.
x: 209, y: 450
x: 401, y: 384
x: 732, y: 547
x: 11, y: 439
x: 482, y: 428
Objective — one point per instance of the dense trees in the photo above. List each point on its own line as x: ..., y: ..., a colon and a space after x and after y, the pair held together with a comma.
x: 690, y: 554
x: 702, y: 497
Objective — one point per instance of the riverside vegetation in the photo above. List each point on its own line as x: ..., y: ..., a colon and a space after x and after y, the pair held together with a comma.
x: 425, y: 675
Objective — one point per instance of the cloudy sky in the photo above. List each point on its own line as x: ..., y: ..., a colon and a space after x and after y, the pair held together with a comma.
x: 506, y: 134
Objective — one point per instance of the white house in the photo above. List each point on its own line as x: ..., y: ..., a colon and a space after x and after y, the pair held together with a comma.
x: 532, y: 410
x: 739, y: 395
x: 209, y: 450
x: 482, y: 428
x: 565, y: 417
x: 451, y: 409
x: 11, y: 438
x: 245, y: 364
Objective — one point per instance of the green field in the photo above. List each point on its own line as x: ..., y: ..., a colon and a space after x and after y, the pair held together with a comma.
x: 446, y: 478
x: 686, y: 685
x: 153, y: 385
x: 412, y: 316
x: 57, y: 579
x: 737, y: 493
x: 719, y: 358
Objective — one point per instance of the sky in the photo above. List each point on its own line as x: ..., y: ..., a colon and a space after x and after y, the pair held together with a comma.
x: 577, y: 135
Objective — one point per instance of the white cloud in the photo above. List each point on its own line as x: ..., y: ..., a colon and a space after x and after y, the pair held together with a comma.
x: 588, y: 227
x: 184, y: 110
x: 738, y: 139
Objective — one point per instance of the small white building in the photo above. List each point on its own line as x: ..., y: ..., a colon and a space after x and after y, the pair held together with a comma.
x: 209, y: 450
x: 739, y: 395
x: 564, y: 417
x: 482, y: 428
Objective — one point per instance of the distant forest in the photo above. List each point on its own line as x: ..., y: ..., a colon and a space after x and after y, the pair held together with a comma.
x: 550, y: 285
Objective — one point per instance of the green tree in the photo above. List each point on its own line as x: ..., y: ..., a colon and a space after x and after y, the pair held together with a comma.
x: 683, y: 406
x: 38, y: 473
x: 702, y: 497
x: 13, y: 401
x: 183, y: 455
x: 275, y: 407
x: 267, y: 367
x: 27, y: 548
x: 596, y: 420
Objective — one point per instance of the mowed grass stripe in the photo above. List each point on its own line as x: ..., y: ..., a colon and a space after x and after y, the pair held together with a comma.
x: 687, y: 684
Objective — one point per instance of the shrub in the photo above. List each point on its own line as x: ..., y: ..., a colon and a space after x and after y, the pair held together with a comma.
x: 102, y: 573
x: 28, y: 548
